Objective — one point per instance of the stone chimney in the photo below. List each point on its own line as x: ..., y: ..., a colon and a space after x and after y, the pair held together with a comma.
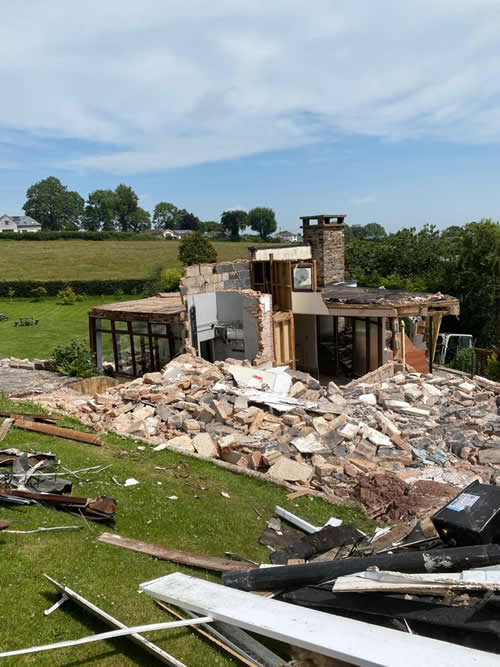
x: 325, y: 234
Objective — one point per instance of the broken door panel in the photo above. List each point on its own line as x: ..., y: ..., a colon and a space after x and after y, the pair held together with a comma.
x: 284, y: 339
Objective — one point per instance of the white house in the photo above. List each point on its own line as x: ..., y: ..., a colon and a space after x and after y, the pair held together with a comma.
x: 287, y: 237
x: 19, y: 223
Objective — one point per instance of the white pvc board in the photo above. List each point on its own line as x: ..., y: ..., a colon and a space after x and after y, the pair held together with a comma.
x: 290, y: 252
x: 341, y: 638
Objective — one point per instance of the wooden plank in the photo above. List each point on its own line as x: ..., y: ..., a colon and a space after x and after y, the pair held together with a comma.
x: 349, y: 310
x: 174, y: 555
x: 298, y: 494
x: 341, y: 638
x: 32, y: 416
x: 138, y: 639
x: 4, y: 428
x: 436, y: 319
x: 211, y: 638
x: 58, y: 432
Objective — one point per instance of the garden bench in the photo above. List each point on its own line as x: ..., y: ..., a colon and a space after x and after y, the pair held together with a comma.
x: 25, y: 322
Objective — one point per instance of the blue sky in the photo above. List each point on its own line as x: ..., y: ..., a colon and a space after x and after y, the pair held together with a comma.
x: 386, y: 111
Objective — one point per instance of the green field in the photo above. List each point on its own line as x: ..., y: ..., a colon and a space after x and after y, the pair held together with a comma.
x: 200, y: 520
x: 94, y: 260
x: 58, y: 324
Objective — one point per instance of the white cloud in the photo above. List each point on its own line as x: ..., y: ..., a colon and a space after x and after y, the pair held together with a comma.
x: 163, y: 84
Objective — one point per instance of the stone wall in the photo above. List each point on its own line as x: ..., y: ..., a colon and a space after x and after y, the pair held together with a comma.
x: 202, y: 278
x: 327, y: 247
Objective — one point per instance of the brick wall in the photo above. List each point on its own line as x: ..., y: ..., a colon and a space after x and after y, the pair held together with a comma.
x: 327, y: 247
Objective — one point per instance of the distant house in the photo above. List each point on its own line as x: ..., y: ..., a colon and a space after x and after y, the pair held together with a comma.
x: 19, y: 223
x: 286, y: 237
x: 176, y: 233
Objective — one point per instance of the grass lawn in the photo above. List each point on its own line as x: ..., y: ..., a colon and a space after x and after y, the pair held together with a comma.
x: 85, y: 260
x: 200, y: 520
x: 58, y: 324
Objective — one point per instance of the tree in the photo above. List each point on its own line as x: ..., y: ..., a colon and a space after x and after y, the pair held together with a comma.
x: 165, y: 215
x: 232, y: 221
x: 195, y: 249
x: 139, y: 220
x: 262, y: 220
x: 54, y: 206
x: 374, y: 232
x: 474, y: 276
x: 210, y: 226
x: 126, y: 205
x: 188, y: 221
x: 354, y: 232
x: 100, y: 212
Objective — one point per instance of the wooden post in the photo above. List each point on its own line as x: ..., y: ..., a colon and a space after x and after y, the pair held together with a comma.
x: 380, y: 340
x: 431, y: 339
x: 437, y: 319
x: 132, y: 348
x: 395, y: 342
x: 93, y: 339
x: 403, y: 345
x: 336, y: 342
x: 115, y: 347
x: 367, y: 345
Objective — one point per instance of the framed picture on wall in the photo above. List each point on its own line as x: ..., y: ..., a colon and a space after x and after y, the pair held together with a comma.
x: 302, y: 277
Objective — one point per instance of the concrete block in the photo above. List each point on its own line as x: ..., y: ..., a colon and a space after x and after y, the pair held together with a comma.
x: 204, y: 445
x: 290, y: 471
x: 182, y: 442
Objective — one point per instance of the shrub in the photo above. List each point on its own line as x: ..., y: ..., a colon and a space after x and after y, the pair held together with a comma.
x: 74, y: 359
x: 195, y: 249
x: 492, y: 370
x: 170, y: 279
x: 67, y: 297
x: 38, y: 293
x: 466, y: 361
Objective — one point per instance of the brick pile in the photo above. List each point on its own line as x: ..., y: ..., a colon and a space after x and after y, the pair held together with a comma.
x: 398, y: 445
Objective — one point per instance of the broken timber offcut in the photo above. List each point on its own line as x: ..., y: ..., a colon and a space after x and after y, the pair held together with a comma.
x: 174, y: 555
x: 58, y: 432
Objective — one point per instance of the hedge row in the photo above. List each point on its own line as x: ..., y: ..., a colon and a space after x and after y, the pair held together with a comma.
x: 22, y: 288
x: 82, y: 236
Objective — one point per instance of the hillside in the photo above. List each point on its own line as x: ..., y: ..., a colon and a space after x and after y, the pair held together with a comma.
x: 85, y: 260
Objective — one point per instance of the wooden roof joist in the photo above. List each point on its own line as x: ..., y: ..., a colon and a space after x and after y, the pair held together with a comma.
x: 159, y: 308
x: 347, y: 301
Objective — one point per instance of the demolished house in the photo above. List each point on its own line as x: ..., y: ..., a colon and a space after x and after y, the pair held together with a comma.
x: 237, y: 368
x: 287, y: 305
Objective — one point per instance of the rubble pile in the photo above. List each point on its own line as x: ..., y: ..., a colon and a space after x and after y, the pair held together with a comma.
x: 400, y: 445
x: 28, y: 364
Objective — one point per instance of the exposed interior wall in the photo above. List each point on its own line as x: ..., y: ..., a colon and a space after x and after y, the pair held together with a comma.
x: 206, y: 314
x: 230, y: 316
x: 308, y: 303
x: 239, y: 322
x: 306, y: 346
